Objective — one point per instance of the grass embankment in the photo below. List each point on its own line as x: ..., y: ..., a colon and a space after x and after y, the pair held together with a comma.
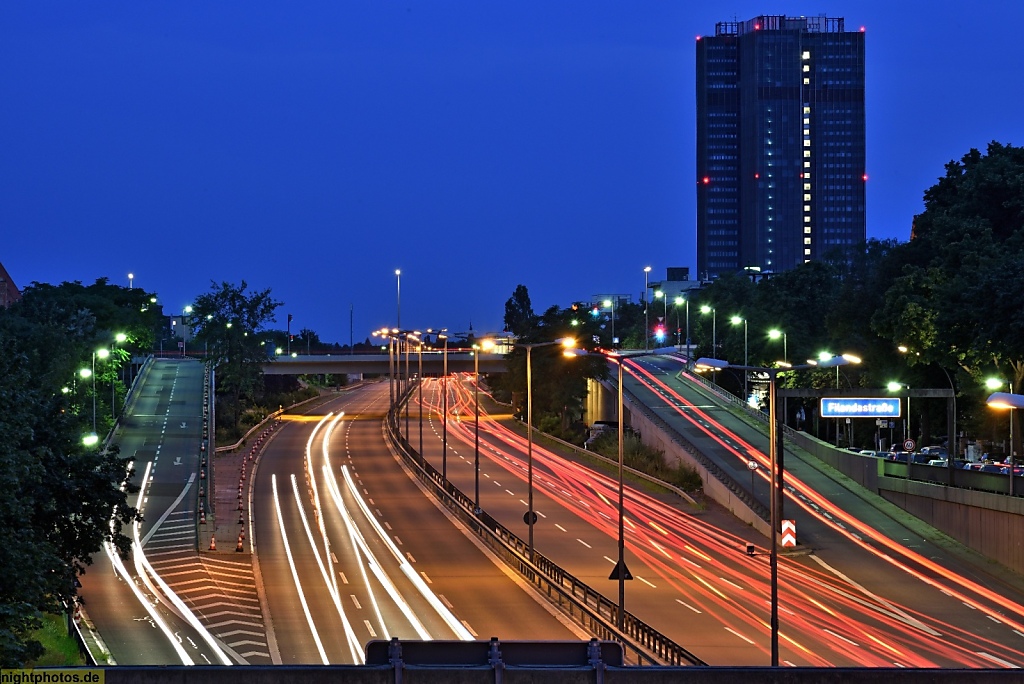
x: 60, y: 649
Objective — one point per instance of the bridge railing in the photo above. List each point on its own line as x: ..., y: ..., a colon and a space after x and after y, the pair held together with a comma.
x: 588, y: 607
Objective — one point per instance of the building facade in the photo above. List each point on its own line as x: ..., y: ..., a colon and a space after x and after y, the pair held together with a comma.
x: 780, y: 143
x: 9, y: 292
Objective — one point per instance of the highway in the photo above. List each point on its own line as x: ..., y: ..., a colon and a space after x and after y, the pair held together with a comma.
x: 350, y: 549
x: 141, y: 619
x: 852, y: 601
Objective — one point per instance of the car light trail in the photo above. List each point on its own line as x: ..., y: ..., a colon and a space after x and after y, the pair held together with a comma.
x: 295, y: 575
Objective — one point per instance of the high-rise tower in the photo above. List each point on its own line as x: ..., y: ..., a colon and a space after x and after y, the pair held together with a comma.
x: 780, y: 143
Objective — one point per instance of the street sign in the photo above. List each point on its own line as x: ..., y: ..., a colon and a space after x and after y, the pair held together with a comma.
x: 620, y: 571
x: 859, y: 407
x: 909, y: 444
x: 530, y: 517
x: 751, y: 465
x: 788, y: 534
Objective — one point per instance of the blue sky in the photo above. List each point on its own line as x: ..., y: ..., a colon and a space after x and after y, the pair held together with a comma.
x: 315, y: 147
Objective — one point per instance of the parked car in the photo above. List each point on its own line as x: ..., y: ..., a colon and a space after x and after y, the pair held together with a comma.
x: 935, y: 451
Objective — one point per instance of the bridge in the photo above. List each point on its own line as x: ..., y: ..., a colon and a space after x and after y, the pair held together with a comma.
x: 433, y: 363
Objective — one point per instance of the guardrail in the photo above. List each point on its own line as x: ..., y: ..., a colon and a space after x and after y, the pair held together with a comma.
x: 592, y: 610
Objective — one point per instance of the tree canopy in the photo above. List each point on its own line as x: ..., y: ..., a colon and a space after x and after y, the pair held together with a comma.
x: 60, y: 496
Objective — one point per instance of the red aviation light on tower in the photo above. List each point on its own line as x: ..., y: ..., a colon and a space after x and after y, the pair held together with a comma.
x: 864, y: 178
x: 706, y: 180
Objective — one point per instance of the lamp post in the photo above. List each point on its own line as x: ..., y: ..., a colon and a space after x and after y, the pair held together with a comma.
x: 1009, y: 401
x: 896, y: 387
x: 102, y: 353
x: 407, y: 386
x: 994, y: 384
x: 776, y: 477
x: 398, y: 277
x: 184, y: 312
x: 611, y: 304
x: 477, y: 348
x: 776, y: 334
x: 444, y: 422
x: 682, y: 300
x: 131, y: 278
x: 647, y: 322
x: 736, y: 320
x: 705, y: 309
x: 531, y: 517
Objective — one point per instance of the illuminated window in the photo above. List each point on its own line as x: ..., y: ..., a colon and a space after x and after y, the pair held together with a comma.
x: 807, y: 67
x: 807, y: 252
x: 807, y: 165
x: 807, y: 198
x: 807, y: 153
x: 807, y: 143
x: 807, y: 230
x: 807, y: 207
x: 807, y: 110
x: 807, y: 122
x: 807, y: 81
x: 806, y: 55
x: 807, y: 219
x: 807, y: 186
x: 807, y: 241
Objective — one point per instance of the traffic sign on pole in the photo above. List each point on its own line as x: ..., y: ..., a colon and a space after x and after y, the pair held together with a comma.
x: 909, y: 445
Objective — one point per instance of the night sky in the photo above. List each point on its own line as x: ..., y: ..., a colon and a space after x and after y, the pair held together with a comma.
x: 314, y: 148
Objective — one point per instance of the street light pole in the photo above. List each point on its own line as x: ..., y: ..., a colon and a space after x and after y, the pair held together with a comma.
x: 736, y: 320
x: 184, y: 312
x: 444, y: 404
x: 398, y: 276
x: 419, y: 390
x: 530, y: 517
x: 484, y: 344
x: 621, y: 567
x: 647, y: 322
x: 775, y: 455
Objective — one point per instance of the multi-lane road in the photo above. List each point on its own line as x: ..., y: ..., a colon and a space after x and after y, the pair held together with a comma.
x: 347, y: 547
x: 866, y: 592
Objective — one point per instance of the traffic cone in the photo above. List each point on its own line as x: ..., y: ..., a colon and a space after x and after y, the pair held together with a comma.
x: 239, y: 547
x: 240, y: 519
x: 213, y: 542
x: 202, y: 474
x: 202, y: 517
x: 241, y: 533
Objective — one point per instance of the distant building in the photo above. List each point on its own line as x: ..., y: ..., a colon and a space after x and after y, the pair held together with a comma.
x: 780, y: 143
x: 9, y: 292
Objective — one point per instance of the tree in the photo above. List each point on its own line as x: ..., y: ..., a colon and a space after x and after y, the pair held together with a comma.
x: 955, y: 302
x: 519, y: 317
x: 229, y: 320
x: 62, y: 500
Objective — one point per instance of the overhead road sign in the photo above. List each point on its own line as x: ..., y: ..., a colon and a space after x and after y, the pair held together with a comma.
x: 859, y: 407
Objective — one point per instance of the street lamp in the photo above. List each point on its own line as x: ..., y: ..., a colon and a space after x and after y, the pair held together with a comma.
x: 102, y: 353
x: 736, y: 320
x: 444, y: 422
x: 775, y: 452
x: 131, y: 277
x: 184, y: 312
x: 477, y: 348
x: 611, y: 304
x: 398, y: 276
x: 775, y: 334
x: 994, y: 384
x: 896, y: 387
x: 1009, y: 401
x: 647, y: 322
x: 682, y: 300
x: 705, y: 309
x: 531, y: 518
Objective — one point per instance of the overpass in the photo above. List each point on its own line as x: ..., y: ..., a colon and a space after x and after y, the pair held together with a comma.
x: 433, y: 363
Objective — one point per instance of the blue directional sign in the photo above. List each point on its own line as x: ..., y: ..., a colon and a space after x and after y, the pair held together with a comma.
x: 854, y: 407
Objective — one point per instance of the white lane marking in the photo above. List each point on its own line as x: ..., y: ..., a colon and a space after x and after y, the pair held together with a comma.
x: 841, y: 637
x: 1000, y: 661
x: 369, y: 628
x: 646, y: 582
x: 732, y: 631
x: 732, y: 584
x: 584, y: 543
x: 560, y: 527
x: 356, y: 602
x: 687, y: 605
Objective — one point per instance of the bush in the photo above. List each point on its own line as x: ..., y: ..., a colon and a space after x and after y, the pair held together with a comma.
x: 639, y: 456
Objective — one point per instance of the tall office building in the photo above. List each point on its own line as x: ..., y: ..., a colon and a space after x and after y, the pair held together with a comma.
x: 780, y: 143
